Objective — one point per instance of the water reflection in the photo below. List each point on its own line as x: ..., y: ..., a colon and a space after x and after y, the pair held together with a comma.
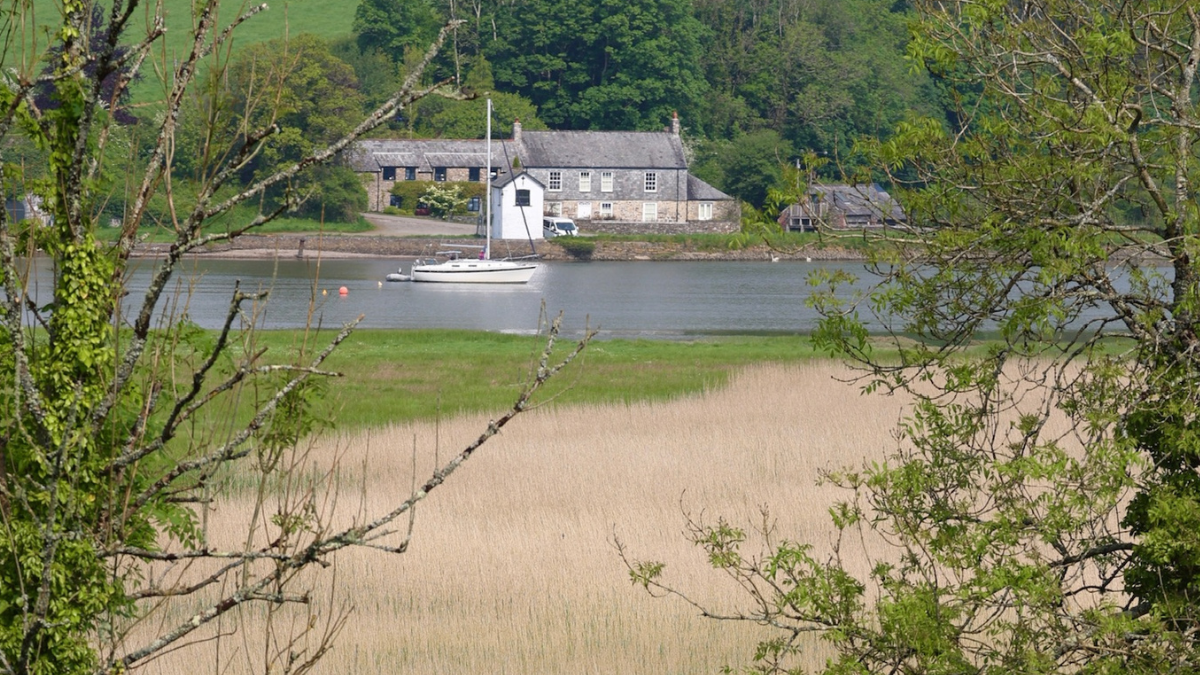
x: 625, y: 299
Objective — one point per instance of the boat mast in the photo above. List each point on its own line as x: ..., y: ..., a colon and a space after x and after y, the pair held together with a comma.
x: 487, y: 209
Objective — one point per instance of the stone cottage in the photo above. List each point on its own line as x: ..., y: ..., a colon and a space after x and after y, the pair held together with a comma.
x: 607, y: 181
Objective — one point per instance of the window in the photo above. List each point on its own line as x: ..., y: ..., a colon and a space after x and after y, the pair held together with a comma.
x: 553, y: 209
x: 473, y: 174
x: 555, y: 182
x: 410, y: 173
x: 606, y: 210
x: 585, y: 181
x: 650, y: 212
x: 389, y: 173
x: 651, y: 181
x: 704, y: 211
x: 606, y: 181
x: 522, y: 197
x: 439, y: 174
x: 473, y: 204
x: 395, y: 200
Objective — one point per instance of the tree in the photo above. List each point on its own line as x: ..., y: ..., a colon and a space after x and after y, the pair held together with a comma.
x: 109, y: 447
x: 612, y: 64
x: 753, y: 164
x: 389, y: 26
x: 313, y: 97
x: 1042, y: 505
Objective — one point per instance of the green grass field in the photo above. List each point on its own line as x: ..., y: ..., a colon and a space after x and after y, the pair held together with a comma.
x: 404, y: 375
x: 283, y: 17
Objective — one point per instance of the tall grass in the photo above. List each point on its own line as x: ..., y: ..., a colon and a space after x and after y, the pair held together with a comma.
x: 512, y: 567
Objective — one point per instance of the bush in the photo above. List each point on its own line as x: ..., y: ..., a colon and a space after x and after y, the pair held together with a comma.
x: 412, y: 192
x: 581, y: 249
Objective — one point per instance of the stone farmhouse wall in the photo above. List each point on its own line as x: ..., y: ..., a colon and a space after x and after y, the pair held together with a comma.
x: 379, y: 191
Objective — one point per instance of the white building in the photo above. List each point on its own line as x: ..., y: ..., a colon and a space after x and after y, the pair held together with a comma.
x: 517, y: 202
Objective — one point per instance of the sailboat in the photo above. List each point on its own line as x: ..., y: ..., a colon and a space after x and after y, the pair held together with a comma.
x: 484, y: 270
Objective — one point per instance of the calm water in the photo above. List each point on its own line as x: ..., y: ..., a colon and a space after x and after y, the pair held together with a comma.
x: 623, y: 299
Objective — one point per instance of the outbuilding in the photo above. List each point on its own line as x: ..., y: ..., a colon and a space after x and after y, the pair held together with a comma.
x: 517, y: 202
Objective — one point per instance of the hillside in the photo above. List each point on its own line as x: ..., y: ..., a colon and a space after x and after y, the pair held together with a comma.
x: 282, y: 17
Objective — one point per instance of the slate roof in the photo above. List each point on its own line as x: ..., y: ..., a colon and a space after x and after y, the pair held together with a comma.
x: 369, y: 156
x: 698, y: 190
x: 851, y: 201
x: 509, y: 176
x: 602, y: 149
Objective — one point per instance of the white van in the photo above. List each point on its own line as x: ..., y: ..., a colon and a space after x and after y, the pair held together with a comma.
x: 558, y: 227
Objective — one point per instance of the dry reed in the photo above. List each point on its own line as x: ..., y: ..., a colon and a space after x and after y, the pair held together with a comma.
x: 512, y: 568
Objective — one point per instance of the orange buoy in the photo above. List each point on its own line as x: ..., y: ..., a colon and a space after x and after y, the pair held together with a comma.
x: 343, y: 291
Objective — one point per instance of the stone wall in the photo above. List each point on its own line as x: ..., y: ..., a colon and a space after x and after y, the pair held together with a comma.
x: 379, y: 191
x: 638, y: 227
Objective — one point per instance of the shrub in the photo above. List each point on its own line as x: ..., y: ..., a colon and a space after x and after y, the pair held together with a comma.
x: 412, y: 192
x: 581, y: 249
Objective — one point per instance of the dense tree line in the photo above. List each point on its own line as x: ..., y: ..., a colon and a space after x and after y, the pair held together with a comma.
x: 757, y: 83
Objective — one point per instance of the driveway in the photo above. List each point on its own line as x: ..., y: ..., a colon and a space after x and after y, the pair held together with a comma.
x: 407, y: 226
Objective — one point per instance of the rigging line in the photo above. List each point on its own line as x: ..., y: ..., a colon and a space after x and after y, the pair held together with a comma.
x: 528, y: 234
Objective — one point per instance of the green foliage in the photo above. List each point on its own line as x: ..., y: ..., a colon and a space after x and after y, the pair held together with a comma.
x: 442, y: 118
x: 412, y: 194
x: 754, y: 165
x: 313, y: 97
x: 1038, y: 511
x: 612, y: 64
x: 391, y: 26
x: 106, y: 467
x: 443, y: 199
x: 576, y: 246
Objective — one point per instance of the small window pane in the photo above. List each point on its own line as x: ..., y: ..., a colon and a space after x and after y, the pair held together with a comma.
x: 606, y: 181
x: 439, y: 174
x: 389, y: 173
x: 555, y: 182
x: 651, y: 181
x: 410, y: 173
x: 473, y: 174
x: 522, y: 197
x: 585, y: 181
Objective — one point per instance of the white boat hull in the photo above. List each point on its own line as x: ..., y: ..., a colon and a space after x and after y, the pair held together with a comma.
x: 475, y: 272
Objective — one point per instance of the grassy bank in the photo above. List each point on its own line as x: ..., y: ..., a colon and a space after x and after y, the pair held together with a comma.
x: 405, y: 375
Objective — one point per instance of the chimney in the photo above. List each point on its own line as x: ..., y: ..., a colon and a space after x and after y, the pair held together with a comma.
x: 675, y: 122
x: 516, y: 131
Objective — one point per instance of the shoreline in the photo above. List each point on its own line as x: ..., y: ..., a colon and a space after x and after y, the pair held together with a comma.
x: 267, y: 247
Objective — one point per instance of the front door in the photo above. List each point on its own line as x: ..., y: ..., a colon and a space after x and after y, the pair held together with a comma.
x: 585, y: 211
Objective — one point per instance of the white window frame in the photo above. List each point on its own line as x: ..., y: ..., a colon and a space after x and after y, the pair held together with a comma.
x: 650, y: 212
x: 585, y: 181
x: 552, y: 209
x: 704, y: 211
x: 651, y: 181
x: 606, y: 209
x: 554, y: 182
x: 606, y: 181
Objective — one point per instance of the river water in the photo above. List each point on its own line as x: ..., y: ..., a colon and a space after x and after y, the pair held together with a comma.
x: 660, y: 300
x: 623, y: 299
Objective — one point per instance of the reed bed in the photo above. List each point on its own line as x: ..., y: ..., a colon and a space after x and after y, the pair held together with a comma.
x: 512, y: 566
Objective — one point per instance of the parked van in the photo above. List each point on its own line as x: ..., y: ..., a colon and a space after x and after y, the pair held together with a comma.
x: 558, y: 227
